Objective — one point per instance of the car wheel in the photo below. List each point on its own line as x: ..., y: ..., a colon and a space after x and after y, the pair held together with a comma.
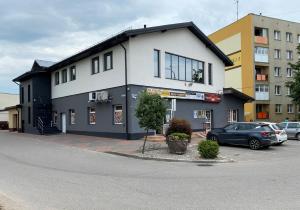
x: 298, y: 136
x: 254, y: 144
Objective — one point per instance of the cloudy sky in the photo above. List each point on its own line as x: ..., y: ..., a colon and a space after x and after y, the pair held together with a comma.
x: 52, y: 30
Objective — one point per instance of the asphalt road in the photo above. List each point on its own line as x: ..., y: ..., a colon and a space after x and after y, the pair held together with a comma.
x: 41, y: 175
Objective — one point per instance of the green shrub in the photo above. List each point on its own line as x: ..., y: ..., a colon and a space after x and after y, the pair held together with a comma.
x: 178, y: 136
x: 208, y: 149
x: 179, y: 126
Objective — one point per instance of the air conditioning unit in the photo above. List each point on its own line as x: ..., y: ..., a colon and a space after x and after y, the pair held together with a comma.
x: 102, y: 96
x: 92, y: 96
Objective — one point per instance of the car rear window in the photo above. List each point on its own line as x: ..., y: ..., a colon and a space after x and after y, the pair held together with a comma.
x: 263, y: 128
x: 275, y: 127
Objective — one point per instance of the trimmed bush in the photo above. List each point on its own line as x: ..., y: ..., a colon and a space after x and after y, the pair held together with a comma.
x: 178, y: 136
x: 208, y: 149
x: 179, y: 126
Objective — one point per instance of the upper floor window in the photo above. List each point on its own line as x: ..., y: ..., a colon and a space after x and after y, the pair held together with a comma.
x: 95, y: 65
x: 22, y: 95
x: 289, y: 72
x: 289, y: 54
x: 277, y: 90
x: 56, y: 76
x: 277, y: 35
x: 108, y: 61
x: 261, y: 32
x: 278, y: 108
x: 64, y: 76
x: 72, y: 73
x: 277, y: 54
x: 198, y: 71
x: 210, y: 74
x: 277, y: 71
x: 288, y: 90
x: 290, y: 108
x: 156, y: 58
x: 262, y: 88
x: 289, y: 37
x: 29, y: 93
x: 299, y: 38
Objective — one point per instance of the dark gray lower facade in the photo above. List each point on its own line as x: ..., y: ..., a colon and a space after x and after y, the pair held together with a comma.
x: 104, y: 112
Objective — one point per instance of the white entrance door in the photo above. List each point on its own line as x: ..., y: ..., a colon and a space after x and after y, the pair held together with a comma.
x: 63, y: 123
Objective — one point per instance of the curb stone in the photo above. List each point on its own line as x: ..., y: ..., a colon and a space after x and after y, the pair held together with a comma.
x: 170, y: 160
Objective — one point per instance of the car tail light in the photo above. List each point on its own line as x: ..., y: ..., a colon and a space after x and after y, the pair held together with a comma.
x: 265, y: 134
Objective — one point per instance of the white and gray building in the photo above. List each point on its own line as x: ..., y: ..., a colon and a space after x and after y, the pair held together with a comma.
x: 95, y: 91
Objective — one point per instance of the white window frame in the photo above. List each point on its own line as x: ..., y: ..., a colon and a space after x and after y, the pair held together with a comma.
x: 277, y: 53
x: 289, y: 55
x: 232, y: 115
x: 288, y: 91
x: 278, y: 108
x: 290, y: 108
x: 289, y: 72
x: 118, y: 112
x: 277, y: 35
x: 277, y: 90
x: 277, y: 71
x: 289, y: 37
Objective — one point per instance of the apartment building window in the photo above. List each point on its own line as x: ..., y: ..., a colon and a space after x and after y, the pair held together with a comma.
x: 56, y: 78
x: 277, y: 71
x: 22, y: 95
x: 278, y: 108
x: 299, y: 38
x: 156, y: 58
x: 289, y: 72
x: 232, y: 115
x: 29, y: 93
x: 64, y: 76
x: 72, y: 116
x: 289, y: 54
x: 277, y: 35
x: 73, y: 73
x: 95, y: 65
x: 290, y: 108
x: 210, y: 80
x: 182, y: 68
x: 289, y: 37
x: 277, y: 54
x: 262, y: 88
x: 29, y: 115
x: 92, y: 115
x: 288, y: 91
x: 108, y: 61
x: 277, y: 90
x: 118, y: 114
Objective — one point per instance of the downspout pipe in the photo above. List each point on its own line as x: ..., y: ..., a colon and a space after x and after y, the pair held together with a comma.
x: 126, y: 92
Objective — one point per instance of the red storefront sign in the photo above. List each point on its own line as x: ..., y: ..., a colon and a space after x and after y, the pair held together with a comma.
x: 212, y: 97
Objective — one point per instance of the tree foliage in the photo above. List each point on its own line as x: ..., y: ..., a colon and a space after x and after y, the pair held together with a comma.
x: 295, y: 84
x: 151, y: 110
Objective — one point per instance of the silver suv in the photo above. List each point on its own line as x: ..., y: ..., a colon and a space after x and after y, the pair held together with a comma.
x: 292, y: 129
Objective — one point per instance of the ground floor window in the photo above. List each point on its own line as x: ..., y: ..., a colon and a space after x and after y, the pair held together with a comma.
x: 278, y: 108
x: 199, y: 114
x: 118, y: 114
x: 232, y: 115
x: 55, y: 117
x: 92, y: 116
x: 72, y: 116
x: 290, y: 108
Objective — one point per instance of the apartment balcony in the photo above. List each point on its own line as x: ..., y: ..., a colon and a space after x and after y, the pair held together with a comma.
x: 262, y: 96
x: 261, y: 40
x: 261, y: 77
x: 262, y: 115
x: 261, y: 58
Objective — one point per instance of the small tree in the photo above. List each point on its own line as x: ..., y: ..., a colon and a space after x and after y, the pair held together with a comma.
x: 151, y: 110
x: 295, y: 84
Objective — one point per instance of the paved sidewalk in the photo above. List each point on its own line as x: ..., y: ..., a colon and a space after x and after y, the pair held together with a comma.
x: 98, y: 144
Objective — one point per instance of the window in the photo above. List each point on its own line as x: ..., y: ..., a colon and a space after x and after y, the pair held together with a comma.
x: 293, y: 125
x: 168, y: 66
x: 182, y: 68
x: 198, y: 71
x: 29, y: 93
x: 289, y: 54
x: 290, y: 108
x: 210, y: 74
x: 188, y: 69
x: 278, y: 108
x: 22, y: 95
x: 118, y: 114
x: 277, y: 72
x: 56, y: 78
x: 289, y: 37
x: 29, y: 115
x: 174, y: 67
x: 277, y: 90
x: 156, y: 57
x: 72, y: 116
x: 72, y: 73
x: 277, y: 35
x: 55, y: 117
x: 262, y: 88
x: 64, y: 76
x: 232, y: 115
x: 288, y: 91
x: 289, y: 72
x: 95, y: 65
x: 108, y: 61
x: 277, y: 54
x: 299, y: 38
x: 92, y: 116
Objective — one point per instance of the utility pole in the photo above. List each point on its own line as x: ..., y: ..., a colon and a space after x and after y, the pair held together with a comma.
x: 237, y: 9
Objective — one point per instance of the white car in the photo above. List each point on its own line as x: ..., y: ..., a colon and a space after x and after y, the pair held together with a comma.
x: 281, y: 135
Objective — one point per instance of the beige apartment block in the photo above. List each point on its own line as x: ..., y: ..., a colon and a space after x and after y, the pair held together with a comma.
x: 261, y: 48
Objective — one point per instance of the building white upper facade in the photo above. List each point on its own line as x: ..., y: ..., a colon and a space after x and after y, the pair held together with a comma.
x: 140, y: 65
